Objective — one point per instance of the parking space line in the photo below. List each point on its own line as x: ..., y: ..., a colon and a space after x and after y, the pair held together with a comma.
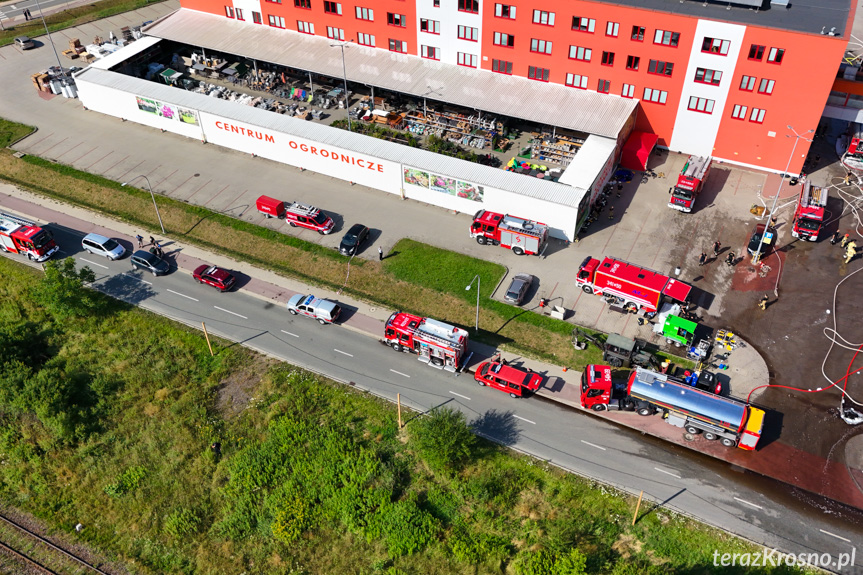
x: 343, y: 352
x: 593, y: 445
x: 182, y: 294
x: 289, y: 333
x: 748, y: 503
x: 93, y: 263
x: 667, y: 472
x: 229, y: 311
x: 460, y: 395
x: 523, y: 419
x: 400, y: 373
x: 834, y: 535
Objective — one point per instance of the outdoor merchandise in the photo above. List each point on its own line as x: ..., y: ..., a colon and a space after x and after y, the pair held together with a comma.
x: 518, y: 234
x: 24, y: 237
x: 690, y: 183
x: 437, y: 343
x: 633, y: 287
x: 734, y: 423
x: 809, y: 216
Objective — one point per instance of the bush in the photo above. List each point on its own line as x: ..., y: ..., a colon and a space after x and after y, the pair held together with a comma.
x: 182, y: 522
x: 547, y: 562
x: 62, y: 291
x: 128, y: 481
x: 407, y: 528
x: 443, y: 439
x: 291, y: 520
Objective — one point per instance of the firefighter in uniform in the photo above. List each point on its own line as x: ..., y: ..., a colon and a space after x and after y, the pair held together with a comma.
x: 845, y: 240
x: 850, y: 251
x: 762, y: 303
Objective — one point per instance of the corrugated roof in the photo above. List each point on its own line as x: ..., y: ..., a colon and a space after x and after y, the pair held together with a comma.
x: 593, y: 153
x: 541, y: 102
x: 127, y: 52
x: 469, y: 171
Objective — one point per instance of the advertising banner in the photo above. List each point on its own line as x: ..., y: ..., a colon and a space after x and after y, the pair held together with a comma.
x: 443, y: 184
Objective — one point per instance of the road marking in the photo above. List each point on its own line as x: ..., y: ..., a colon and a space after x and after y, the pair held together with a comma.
x: 139, y: 279
x: 94, y: 263
x: 523, y: 419
x: 289, y: 333
x: 667, y: 472
x: 400, y: 373
x: 343, y: 352
x: 229, y: 311
x: 460, y: 395
x: 834, y: 535
x: 748, y: 503
x: 592, y: 445
x: 182, y: 294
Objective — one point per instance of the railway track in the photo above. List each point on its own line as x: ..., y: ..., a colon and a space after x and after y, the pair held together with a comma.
x: 52, y: 559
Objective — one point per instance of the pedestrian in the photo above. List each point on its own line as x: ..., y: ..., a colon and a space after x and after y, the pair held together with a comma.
x: 845, y: 239
x: 702, y: 259
x: 380, y: 254
x: 729, y: 260
x: 610, y: 212
x: 152, y: 241
x: 850, y: 252
x: 716, y: 247
x: 140, y: 239
x: 27, y: 15
x: 835, y: 238
x: 762, y: 303
x: 772, y: 221
x: 216, y: 448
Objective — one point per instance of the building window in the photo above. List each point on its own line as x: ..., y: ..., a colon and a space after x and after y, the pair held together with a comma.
x: 396, y: 19
x: 305, y: 27
x: 739, y: 112
x: 332, y: 7
x: 544, y: 18
x: 436, y: 3
x: 504, y: 39
x: 365, y: 14
x: 756, y: 52
x: 276, y: 21
x: 747, y: 83
x: 666, y: 38
x: 660, y: 67
x: 430, y: 52
x: 576, y: 81
x: 612, y: 29
x: 583, y: 24
x: 468, y: 60
x: 579, y: 53
x: 335, y: 33
x: 501, y: 67
x: 603, y: 86
x: 306, y: 4
x: 608, y: 58
x: 766, y: 86
x: 366, y: 39
x: 256, y: 18
x: 430, y: 26
x: 274, y: 1
x: 541, y: 46
x: 775, y: 55
x: 398, y: 46
x: 757, y: 116
x: 229, y: 12
x: 638, y: 33
x: 504, y: 11
x: 239, y: 13
x: 706, y: 76
x: 715, y: 46
x: 468, y: 6
x: 540, y: 74
x: 656, y: 96
x: 468, y: 33
x: 700, y: 105
x: 628, y: 91
x: 632, y: 62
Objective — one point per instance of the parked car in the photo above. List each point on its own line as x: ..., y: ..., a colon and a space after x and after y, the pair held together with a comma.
x: 144, y: 260
x: 353, y: 239
x: 25, y: 42
x: 515, y: 381
x: 222, y: 280
x: 102, y: 246
x: 518, y: 288
x: 703, y: 380
x: 769, y: 240
x: 320, y: 309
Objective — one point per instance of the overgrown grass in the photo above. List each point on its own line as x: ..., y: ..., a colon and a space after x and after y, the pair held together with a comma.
x: 312, y: 477
x: 70, y: 18
x: 11, y: 132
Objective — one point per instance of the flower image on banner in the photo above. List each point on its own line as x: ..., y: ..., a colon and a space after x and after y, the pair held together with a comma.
x: 470, y: 191
x: 167, y: 111
x: 148, y: 105
x: 442, y: 184
x: 416, y: 177
x: 187, y: 116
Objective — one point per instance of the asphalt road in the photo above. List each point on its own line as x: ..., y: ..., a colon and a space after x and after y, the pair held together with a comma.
x: 747, y: 505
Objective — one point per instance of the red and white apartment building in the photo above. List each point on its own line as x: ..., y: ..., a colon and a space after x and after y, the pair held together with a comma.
x: 719, y: 78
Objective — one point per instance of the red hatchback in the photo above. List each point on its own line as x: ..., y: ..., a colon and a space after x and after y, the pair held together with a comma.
x: 220, y: 279
x: 513, y: 380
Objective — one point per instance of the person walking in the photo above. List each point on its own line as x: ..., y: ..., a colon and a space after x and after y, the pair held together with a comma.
x: 152, y: 241
x: 845, y: 239
x: 729, y: 260
x: 140, y: 239
x: 850, y: 251
x: 380, y: 254
x: 717, y: 246
x: 835, y: 239
x: 610, y: 212
x: 762, y: 303
x: 27, y: 15
x: 702, y: 259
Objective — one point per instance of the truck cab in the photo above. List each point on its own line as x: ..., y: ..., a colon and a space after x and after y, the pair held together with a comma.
x: 690, y: 182
x: 515, y: 381
x: 597, y: 390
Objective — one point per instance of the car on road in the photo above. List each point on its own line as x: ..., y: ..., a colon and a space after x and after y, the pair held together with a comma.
x: 103, y: 246
x: 518, y: 288
x: 353, y: 239
x: 515, y: 381
x: 219, y: 278
x: 766, y: 245
x: 320, y: 309
x: 144, y: 260
x: 25, y: 42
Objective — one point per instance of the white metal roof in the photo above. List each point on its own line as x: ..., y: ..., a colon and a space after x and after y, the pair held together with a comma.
x: 592, y: 155
x: 468, y: 171
x: 542, y: 102
x: 125, y: 53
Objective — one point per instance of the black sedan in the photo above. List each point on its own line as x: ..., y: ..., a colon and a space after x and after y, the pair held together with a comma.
x: 144, y: 260
x: 353, y: 239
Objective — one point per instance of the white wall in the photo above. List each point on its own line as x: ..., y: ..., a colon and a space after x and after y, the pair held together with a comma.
x: 249, y: 6
x: 560, y: 220
x: 450, y: 19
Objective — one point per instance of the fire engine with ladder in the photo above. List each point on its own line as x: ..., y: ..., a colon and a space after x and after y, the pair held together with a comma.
x: 436, y: 343
x: 809, y: 216
x: 521, y: 235
x: 21, y: 236
x: 690, y: 183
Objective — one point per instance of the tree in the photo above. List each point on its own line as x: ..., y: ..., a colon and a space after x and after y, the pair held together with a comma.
x: 443, y: 439
x: 62, y: 290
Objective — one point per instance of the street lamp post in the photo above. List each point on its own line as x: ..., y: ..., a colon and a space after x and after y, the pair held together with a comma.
x: 476, y: 277
x: 797, y: 138
x: 345, y: 77
x: 47, y: 33
x: 158, y: 215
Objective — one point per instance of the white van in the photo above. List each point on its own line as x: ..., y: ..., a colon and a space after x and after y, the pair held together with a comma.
x: 102, y: 246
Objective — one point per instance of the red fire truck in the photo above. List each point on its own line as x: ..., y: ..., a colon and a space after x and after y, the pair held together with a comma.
x: 733, y: 422
x: 628, y: 285
x: 853, y: 156
x: 810, y: 212
x: 518, y: 234
x: 437, y: 343
x: 690, y: 182
x: 24, y: 237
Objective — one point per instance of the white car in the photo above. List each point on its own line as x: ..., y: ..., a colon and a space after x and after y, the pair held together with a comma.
x: 320, y: 309
x: 102, y: 246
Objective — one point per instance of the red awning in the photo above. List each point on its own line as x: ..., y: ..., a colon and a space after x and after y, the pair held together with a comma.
x: 637, y: 150
x: 677, y: 290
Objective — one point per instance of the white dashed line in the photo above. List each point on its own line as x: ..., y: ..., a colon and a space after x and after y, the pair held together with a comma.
x: 748, y: 503
x: 592, y: 445
x: 523, y: 419
x: 182, y: 294
x: 343, y: 352
x: 229, y: 311
x: 667, y: 472
x: 834, y: 535
x: 460, y: 395
x: 289, y: 333
x: 93, y: 263
x: 139, y: 279
x: 400, y: 373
